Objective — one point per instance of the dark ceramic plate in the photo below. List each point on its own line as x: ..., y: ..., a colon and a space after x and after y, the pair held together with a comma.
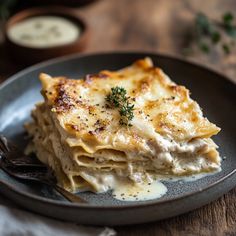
x: 215, y: 94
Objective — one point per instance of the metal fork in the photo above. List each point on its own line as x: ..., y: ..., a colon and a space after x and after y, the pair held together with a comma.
x: 23, y: 167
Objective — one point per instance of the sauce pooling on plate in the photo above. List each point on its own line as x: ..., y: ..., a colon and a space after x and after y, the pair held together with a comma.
x: 44, y: 32
x: 139, y: 192
x: 128, y: 191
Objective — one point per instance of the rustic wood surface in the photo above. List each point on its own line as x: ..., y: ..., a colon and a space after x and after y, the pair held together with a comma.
x: 158, y: 26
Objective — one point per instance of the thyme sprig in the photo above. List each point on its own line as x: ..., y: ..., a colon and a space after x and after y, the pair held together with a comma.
x: 209, y: 33
x: 118, y: 98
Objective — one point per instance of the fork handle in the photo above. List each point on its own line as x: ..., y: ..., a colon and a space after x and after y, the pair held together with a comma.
x: 69, y: 196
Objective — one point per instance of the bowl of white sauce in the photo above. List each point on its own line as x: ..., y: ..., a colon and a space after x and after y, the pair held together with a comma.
x: 39, y: 34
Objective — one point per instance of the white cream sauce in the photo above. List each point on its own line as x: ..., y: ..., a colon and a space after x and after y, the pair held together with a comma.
x: 44, y: 32
x: 128, y: 191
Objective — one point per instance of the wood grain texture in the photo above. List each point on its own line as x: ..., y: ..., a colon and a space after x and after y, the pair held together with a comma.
x: 159, y: 26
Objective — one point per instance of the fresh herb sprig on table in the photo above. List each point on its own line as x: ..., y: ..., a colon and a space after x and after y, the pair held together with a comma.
x: 117, y: 98
x: 209, y: 33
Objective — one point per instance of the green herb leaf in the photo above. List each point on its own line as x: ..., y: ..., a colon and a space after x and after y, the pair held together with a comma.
x: 207, y: 30
x: 118, y: 99
x: 202, y: 24
x: 231, y: 32
x: 117, y: 96
x: 204, y: 47
x: 215, y: 37
x: 226, y: 48
x: 228, y: 18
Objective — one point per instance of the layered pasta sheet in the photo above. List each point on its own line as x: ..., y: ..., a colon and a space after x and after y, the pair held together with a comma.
x: 80, y: 137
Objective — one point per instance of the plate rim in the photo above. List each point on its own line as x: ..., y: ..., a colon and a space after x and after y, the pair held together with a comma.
x: 115, y: 52
x: 16, y: 76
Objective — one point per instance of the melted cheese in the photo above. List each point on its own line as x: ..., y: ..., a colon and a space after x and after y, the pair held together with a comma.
x: 169, y: 134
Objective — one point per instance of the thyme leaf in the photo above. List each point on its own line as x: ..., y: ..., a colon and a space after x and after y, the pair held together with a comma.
x: 118, y: 98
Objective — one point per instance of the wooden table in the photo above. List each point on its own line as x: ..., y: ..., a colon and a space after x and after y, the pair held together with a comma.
x: 159, y: 26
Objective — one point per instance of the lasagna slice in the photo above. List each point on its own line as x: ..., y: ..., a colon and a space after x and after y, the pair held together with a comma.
x: 79, y: 135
